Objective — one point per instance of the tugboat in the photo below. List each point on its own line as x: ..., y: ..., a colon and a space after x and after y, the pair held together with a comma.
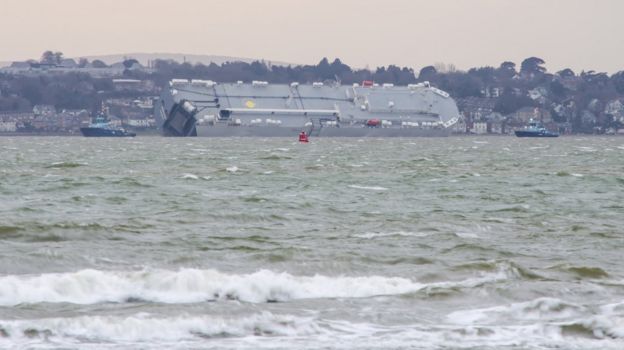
x: 535, y: 129
x: 100, y: 127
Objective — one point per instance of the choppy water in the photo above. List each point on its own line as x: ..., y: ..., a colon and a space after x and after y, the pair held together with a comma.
x: 444, y: 243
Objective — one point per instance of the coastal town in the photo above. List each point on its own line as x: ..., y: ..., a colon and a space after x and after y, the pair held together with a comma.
x: 57, y: 96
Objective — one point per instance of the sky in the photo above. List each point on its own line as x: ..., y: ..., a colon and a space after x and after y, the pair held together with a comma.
x: 577, y: 34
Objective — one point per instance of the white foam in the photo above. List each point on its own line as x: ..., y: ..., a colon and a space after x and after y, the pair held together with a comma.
x: 370, y: 188
x: 194, y: 285
x: 147, y: 328
x: 538, y: 309
x: 231, y: 169
x: 270, y: 331
x: 190, y: 176
x: 372, y: 235
x: 467, y: 235
x: 585, y: 149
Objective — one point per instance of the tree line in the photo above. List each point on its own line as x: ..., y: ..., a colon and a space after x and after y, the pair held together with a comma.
x: 570, y: 97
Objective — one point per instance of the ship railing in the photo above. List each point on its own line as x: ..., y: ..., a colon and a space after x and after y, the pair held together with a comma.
x: 265, y: 111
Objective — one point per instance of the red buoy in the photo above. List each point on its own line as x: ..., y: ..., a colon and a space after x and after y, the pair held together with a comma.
x: 303, y: 137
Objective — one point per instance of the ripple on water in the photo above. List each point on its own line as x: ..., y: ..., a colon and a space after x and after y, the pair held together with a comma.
x: 65, y: 165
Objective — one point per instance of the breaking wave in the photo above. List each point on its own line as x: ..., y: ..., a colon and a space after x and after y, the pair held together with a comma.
x: 370, y: 188
x: 194, y: 285
x: 268, y: 330
x: 145, y: 327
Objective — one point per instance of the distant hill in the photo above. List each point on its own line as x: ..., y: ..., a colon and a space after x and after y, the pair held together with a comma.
x: 144, y: 58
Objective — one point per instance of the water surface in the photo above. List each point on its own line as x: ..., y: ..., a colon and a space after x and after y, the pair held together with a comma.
x: 432, y: 243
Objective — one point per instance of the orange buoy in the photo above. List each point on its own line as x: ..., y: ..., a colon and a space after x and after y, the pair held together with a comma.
x: 303, y: 137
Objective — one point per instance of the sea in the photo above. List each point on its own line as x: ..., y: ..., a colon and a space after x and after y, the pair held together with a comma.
x: 251, y: 243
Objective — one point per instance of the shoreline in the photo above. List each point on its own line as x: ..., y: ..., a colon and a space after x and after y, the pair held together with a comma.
x: 154, y: 134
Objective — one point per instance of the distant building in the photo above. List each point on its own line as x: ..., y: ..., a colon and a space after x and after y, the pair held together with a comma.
x: 522, y: 116
x: 492, y: 91
x: 479, y: 128
x: 496, y: 123
x: 69, y: 65
x: 44, y: 110
x: 615, y: 108
x: 9, y: 126
x: 476, y: 108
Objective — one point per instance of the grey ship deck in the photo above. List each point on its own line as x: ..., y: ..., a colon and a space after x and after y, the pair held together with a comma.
x: 205, y: 108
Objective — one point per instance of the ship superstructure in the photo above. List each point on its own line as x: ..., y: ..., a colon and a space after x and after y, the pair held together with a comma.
x: 206, y: 108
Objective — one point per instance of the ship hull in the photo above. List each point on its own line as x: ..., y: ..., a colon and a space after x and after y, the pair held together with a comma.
x: 100, y: 132
x: 266, y: 131
x: 260, y: 109
x: 523, y: 133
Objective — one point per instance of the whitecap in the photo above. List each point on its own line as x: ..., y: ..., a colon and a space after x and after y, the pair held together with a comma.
x: 143, y: 327
x: 195, y: 285
x: 585, y: 149
x: 372, y: 235
x: 190, y: 176
x: 231, y: 169
x: 539, y: 309
x: 371, y: 188
x: 466, y: 235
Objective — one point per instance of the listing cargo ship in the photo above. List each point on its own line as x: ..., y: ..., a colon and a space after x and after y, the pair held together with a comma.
x: 207, y: 108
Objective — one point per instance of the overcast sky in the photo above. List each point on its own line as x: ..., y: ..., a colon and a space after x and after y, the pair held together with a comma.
x: 580, y: 34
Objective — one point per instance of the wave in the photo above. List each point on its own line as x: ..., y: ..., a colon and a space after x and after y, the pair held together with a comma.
x: 538, y: 309
x: 372, y: 235
x: 35, y: 231
x: 194, y: 285
x: 65, y: 165
x: 275, y: 157
x: 586, y: 271
x: 268, y: 330
x: 555, y: 317
x: 144, y: 327
x: 8, y: 230
x: 370, y: 188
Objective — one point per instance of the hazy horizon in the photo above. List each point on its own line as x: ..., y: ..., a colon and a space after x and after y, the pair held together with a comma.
x: 575, y: 34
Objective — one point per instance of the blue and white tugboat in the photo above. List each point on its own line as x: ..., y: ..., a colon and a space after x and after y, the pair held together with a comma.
x: 535, y: 129
x: 102, y: 128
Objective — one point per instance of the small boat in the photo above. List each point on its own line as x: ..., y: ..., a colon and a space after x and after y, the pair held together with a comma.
x: 535, y: 129
x: 102, y: 128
